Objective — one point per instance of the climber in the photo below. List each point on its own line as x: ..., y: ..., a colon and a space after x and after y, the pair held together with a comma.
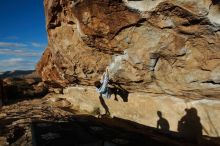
x: 103, y: 89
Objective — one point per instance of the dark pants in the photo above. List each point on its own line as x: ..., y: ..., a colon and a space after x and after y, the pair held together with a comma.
x: 102, y: 101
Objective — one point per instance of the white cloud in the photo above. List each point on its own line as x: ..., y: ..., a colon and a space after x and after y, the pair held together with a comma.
x: 38, y: 45
x: 19, y: 56
x: 20, y: 45
x: 11, y: 61
x: 12, y: 44
x: 16, y: 64
x: 24, y: 52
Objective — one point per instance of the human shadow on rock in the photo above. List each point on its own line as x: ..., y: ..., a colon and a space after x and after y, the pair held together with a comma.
x: 118, y: 90
x: 162, y: 123
x: 190, y: 127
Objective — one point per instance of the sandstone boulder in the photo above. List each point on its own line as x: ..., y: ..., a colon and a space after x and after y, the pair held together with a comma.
x: 169, y: 47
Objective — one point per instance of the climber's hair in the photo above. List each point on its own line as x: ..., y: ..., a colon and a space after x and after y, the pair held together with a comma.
x: 97, y: 84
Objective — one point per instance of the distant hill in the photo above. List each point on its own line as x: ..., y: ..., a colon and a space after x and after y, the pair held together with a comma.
x: 19, y: 74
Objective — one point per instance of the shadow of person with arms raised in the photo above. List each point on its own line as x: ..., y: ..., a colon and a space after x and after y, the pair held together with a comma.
x: 117, y: 90
x: 162, y: 123
x: 190, y: 127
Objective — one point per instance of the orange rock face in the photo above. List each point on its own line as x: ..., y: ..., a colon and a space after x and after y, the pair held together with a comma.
x: 152, y: 46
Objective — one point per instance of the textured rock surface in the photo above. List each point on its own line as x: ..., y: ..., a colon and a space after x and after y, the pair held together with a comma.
x: 17, y: 85
x: 18, y: 88
x: 142, y: 108
x: 16, y: 119
x: 170, y: 47
x: 48, y: 121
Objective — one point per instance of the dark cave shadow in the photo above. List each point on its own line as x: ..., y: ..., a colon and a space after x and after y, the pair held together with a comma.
x: 2, y: 93
x: 85, y: 129
x: 215, y: 2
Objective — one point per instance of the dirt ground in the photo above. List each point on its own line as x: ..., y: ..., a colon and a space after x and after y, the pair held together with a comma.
x: 15, y: 118
x: 51, y: 121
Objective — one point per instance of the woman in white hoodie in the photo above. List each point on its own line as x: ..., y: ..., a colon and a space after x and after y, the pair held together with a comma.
x: 104, y: 90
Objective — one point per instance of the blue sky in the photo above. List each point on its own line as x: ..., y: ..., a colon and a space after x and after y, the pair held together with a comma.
x: 23, y: 36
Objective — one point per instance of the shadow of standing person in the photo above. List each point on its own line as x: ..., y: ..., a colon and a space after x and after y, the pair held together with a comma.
x: 190, y: 127
x: 162, y: 123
